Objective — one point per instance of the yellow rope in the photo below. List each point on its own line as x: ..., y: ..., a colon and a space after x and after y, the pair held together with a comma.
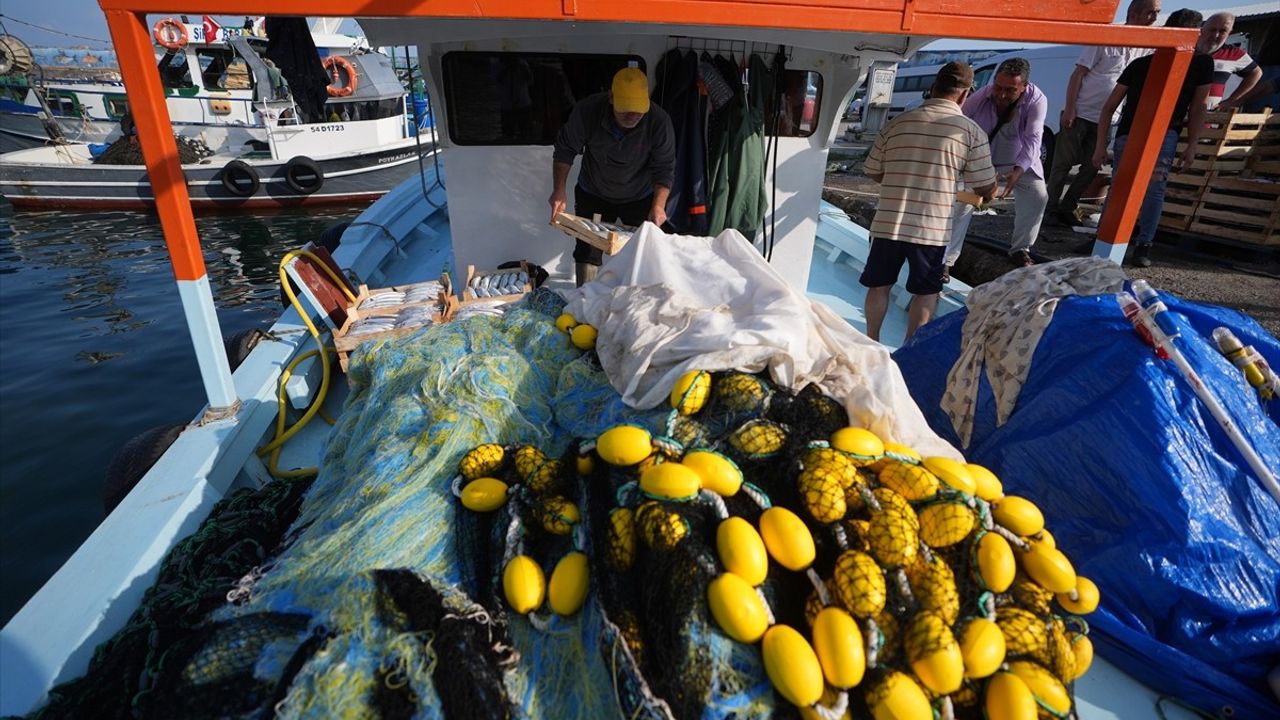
x: 282, y: 433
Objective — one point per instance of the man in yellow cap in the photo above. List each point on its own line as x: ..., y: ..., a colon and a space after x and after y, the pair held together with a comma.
x: 628, y: 161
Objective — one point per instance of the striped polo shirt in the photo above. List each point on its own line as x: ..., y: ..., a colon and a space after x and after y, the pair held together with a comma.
x: 1227, y: 61
x: 923, y: 154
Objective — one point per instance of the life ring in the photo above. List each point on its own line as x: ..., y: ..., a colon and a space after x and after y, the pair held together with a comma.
x: 303, y: 174
x: 331, y: 65
x: 170, y: 34
x: 240, y: 178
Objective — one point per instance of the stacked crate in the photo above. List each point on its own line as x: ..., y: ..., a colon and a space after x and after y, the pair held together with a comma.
x: 1231, y: 190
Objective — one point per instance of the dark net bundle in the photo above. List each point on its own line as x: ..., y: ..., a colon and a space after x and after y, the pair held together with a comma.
x: 241, y: 534
x: 468, y: 646
x: 671, y: 603
x: 810, y: 414
x: 212, y: 672
x: 127, y: 151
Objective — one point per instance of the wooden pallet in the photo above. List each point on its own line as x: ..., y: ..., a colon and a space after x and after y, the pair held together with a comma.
x: 609, y: 241
x: 1223, y: 194
x: 1226, y: 143
x: 1244, y: 209
x: 1264, y: 160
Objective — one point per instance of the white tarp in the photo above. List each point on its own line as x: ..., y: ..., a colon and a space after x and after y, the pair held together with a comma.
x: 667, y: 304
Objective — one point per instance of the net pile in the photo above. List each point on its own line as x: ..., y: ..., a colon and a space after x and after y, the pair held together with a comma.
x: 493, y: 534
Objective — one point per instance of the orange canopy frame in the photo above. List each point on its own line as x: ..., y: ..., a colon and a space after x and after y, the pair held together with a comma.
x: 1079, y: 22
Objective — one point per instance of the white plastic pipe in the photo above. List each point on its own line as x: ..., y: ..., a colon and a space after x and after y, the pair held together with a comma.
x: 1146, y: 317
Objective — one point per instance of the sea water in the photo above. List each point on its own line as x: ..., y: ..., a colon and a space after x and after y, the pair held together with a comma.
x: 94, y: 349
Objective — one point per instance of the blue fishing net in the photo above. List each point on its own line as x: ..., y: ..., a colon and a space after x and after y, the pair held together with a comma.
x: 1143, y: 488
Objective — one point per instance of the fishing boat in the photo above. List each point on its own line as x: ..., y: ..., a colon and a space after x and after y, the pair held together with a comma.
x: 354, y: 597
x: 208, y: 88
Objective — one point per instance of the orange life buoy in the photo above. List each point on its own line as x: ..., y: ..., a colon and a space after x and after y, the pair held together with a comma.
x: 331, y: 64
x: 170, y: 34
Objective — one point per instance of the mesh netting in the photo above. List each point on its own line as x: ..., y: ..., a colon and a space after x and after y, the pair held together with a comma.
x: 137, y: 671
x: 391, y: 599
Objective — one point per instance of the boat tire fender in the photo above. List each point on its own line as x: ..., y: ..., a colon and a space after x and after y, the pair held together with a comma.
x: 239, y: 346
x: 303, y: 175
x: 240, y: 178
x: 170, y: 34
x: 133, y: 460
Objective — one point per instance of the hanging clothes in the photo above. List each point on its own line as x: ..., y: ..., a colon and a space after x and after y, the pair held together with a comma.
x: 741, y: 158
x: 291, y: 48
x: 678, y: 93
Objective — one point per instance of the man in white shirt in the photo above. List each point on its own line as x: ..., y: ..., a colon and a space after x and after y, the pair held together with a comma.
x: 1090, y: 84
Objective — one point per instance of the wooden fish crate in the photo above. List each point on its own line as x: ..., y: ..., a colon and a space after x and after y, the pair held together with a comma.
x: 474, y: 288
x: 432, y: 307
x: 608, y: 240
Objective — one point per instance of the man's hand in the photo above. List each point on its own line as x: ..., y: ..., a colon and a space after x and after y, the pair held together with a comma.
x: 557, y: 201
x: 1227, y: 105
x: 658, y: 215
x: 1066, y: 120
x: 1184, y: 159
x: 1009, y: 181
x: 1099, y: 156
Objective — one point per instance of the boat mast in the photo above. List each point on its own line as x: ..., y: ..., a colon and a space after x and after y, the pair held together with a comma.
x: 169, y: 186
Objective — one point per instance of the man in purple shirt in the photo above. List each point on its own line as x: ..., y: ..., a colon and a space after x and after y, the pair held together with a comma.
x: 1011, y: 110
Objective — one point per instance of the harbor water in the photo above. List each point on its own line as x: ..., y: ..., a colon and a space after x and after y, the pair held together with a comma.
x: 94, y: 350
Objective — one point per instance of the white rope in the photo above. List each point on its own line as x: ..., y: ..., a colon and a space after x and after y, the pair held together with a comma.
x: 835, y: 712
x: 768, y: 611
x: 823, y: 596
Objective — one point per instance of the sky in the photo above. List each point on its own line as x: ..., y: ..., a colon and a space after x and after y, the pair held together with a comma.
x: 84, y: 18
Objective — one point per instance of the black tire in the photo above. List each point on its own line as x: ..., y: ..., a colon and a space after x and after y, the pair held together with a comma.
x: 303, y: 175
x: 133, y: 460
x: 240, y: 178
x: 331, y: 237
x: 239, y: 346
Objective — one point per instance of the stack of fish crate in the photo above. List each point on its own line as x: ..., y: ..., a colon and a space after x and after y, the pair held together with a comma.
x: 1232, y: 189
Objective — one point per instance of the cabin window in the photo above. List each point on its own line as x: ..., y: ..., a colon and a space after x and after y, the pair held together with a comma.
x: 117, y: 106
x: 175, y: 72
x: 498, y: 98
x: 363, y: 110
x: 63, y: 103
x: 802, y: 101
x: 213, y: 67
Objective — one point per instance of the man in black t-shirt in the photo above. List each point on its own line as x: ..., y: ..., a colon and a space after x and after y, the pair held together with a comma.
x: 1189, y: 108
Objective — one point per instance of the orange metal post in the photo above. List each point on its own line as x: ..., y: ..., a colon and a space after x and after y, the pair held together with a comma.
x: 169, y: 187
x: 132, y: 39
x: 1129, y: 185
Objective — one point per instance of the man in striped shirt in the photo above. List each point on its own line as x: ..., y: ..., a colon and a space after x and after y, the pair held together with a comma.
x: 1228, y: 60
x: 919, y: 159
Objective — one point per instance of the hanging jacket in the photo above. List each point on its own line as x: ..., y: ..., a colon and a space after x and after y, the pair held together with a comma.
x: 742, y: 156
x: 678, y: 94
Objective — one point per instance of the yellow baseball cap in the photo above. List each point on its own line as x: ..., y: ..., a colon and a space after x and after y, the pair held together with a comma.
x: 630, y: 91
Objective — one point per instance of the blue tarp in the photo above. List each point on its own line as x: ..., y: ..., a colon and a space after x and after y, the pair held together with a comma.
x: 1142, y: 489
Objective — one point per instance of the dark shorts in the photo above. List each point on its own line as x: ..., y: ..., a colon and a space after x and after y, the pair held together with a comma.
x: 586, y: 205
x: 885, y: 260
